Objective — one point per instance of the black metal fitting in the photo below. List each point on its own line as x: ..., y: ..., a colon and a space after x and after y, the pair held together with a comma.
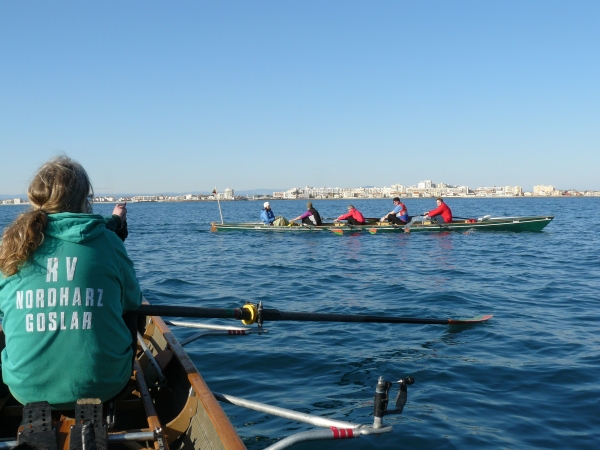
x: 259, y: 318
x: 88, y: 433
x: 381, y: 398
x: 36, y: 430
x: 402, y: 394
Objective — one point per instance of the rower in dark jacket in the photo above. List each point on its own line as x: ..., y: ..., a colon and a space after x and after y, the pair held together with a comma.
x: 310, y: 217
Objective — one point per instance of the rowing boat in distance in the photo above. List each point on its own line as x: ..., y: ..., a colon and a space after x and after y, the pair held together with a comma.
x: 374, y: 226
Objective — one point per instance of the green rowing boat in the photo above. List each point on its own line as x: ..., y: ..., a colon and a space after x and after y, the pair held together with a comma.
x: 373, y: 226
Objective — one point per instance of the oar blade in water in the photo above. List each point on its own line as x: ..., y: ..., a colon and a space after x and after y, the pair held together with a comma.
x: 476, y: 319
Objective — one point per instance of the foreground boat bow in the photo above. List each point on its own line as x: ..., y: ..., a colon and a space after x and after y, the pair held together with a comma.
x: 173, y: 411
x: 167, y: 405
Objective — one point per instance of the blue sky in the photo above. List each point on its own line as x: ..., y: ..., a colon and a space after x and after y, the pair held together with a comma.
x: 181, y: 96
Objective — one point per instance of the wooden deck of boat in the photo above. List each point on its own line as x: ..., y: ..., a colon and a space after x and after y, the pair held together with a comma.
x: 208, y: 426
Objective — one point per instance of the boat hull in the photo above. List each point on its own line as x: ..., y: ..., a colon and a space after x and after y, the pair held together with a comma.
x: 509, y: 224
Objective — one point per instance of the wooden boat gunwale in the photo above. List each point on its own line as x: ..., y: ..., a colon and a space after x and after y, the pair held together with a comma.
x: 211, y: 406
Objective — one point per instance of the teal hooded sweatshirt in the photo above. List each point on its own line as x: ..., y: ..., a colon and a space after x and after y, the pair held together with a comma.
x: 62, y: 315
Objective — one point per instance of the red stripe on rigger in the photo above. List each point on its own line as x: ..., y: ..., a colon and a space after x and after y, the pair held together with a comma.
x: 342, y: 433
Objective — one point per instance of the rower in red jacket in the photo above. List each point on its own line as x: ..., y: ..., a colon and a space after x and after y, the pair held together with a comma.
x: 441, y: 214
x: 354, y: 216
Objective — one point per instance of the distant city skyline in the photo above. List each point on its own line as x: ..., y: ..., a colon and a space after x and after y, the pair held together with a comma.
x: 425, y: 188
x: 179, y: 97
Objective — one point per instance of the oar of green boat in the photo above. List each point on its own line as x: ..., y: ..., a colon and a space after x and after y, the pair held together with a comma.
x: 445, y: 226
x: 409, y: 224
x: 406, y: 227
x: 470, y: 218
x: 441, y: 225
x: 340, y: 230
x: 249, y: 313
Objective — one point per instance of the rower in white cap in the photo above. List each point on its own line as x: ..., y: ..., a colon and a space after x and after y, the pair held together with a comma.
x: 267, y: 215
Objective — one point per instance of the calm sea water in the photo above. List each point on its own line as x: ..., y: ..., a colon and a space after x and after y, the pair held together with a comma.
x: 526, y: 379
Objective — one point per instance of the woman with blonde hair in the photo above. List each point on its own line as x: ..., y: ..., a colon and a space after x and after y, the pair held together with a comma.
x: 66, y: 283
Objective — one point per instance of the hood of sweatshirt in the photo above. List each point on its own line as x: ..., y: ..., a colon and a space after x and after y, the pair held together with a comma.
x: 75, y: 227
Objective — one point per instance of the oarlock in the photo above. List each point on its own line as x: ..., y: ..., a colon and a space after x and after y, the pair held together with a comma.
x: 382, y: 397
